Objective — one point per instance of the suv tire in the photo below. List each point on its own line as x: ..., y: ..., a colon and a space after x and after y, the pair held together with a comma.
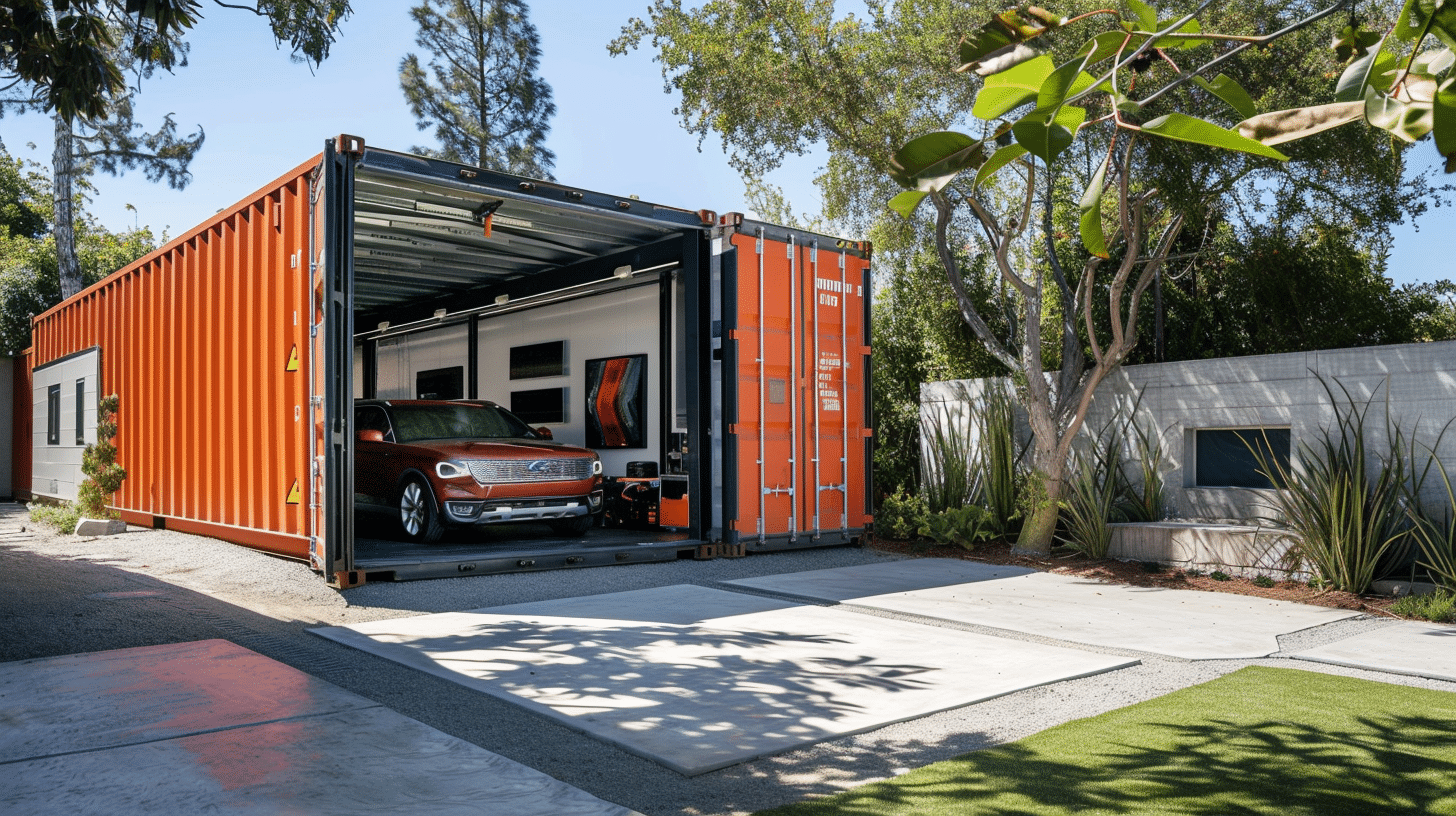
x: 417, y: 517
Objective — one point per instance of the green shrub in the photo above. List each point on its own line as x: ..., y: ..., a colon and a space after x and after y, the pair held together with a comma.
x: 1142, y: 499
x: 1220, y: 575
x: 901, y: 515
x: 1088, y: 504
x: 999, y: 485
x: 948, y: 470
x: 1437, y: 535
x: 963, y: 527
x: 1263, y: 581
x: 1346, y: 517
x: 62, y: 517
x: 103, y: 475
x: 1435, y: 606
x: 957, y: 471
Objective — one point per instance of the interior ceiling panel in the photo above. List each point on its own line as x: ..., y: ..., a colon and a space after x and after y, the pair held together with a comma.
x: 418, y: 238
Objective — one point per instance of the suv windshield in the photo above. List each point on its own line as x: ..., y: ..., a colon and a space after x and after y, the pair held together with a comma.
x: 413, y: 423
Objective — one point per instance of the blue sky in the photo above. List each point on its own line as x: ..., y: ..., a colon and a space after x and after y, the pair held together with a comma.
x: 614, y: 130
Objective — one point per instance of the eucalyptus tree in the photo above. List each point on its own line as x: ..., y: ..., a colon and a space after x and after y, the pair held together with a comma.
x: 1122, y: 93
x: 29, y: 280
x: 82, y: 63
x: 76, y: 52
x: 481, y: 93
x: 113, y: 143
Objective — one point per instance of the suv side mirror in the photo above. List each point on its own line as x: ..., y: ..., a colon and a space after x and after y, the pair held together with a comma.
x: 544, y: 432
x: 371, y: 436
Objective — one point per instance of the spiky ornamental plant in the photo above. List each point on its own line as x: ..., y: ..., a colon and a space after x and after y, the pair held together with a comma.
x: 103, y: 475
x: 1120, y: 94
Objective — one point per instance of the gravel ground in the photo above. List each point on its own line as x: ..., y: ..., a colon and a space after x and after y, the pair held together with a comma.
x: 65, y: 595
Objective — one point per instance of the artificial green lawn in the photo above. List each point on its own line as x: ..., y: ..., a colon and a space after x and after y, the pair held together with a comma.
x: 1260, y: 740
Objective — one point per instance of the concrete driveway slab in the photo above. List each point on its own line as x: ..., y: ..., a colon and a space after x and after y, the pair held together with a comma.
x: 211, y: 742
x: 54, y: 705
x: 1177, y: 623
x: 1417, y: 649
x: 698, y: 679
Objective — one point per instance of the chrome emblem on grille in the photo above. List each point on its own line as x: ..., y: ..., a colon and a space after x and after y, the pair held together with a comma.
x: 539, y: 466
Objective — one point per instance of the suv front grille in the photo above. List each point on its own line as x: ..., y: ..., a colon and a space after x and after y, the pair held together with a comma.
x: 531, y: 470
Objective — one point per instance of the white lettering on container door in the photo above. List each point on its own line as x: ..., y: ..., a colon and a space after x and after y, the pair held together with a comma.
x: 826, y: 381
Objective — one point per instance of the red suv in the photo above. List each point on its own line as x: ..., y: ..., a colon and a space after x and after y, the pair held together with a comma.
x: 464, y: 463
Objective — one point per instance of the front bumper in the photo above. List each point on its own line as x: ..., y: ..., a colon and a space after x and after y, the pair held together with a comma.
x: 504, y: 511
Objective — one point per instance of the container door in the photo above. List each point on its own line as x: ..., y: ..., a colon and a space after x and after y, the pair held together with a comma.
x: 795, y: 390
x: 835, y: 424
x: 763, y: 476
x: 331, y: 330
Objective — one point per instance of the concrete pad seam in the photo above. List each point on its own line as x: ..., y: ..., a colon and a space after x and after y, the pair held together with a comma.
x: 1008, y: 634
x: 1383, y: 669
x: 188, y: 734
x: 768, y: 593
x: 1373, y: 622
x: 944, y: 623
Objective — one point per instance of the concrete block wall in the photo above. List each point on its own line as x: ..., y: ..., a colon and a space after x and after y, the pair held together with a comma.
x: 1415, y: 385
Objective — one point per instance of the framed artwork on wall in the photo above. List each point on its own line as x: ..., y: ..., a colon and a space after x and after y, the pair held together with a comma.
x: 540, y: 406
x: 616, y: 402
x: 441, y: 384
x: 538, y: 360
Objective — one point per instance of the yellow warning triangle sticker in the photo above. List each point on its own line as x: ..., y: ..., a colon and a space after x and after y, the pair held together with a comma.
x: 292, y: 359
x: 294, y: 497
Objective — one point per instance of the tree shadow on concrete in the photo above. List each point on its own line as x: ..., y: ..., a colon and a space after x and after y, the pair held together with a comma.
x: 691, y: 698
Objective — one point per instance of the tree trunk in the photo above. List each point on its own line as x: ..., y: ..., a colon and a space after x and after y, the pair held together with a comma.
x: 63, y: 163
x: 1048, y: 479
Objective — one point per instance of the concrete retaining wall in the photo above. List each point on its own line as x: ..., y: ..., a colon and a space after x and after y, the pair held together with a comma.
x: 1243, y: 550
x: 1415, y: 384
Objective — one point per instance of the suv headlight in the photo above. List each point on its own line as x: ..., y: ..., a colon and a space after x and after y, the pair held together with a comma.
x: 451, y: 470
x: 596, y: 467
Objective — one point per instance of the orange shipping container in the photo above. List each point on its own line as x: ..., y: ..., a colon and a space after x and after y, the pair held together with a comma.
x: 201, y: 339
x: 238, y: 349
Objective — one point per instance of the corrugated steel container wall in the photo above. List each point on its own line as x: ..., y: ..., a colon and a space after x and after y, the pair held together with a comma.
x: 206, y: 342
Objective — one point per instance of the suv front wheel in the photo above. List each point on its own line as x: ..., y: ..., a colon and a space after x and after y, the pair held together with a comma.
x: 417, y: 516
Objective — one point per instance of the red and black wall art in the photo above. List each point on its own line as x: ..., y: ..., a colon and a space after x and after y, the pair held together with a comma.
x: 616, y: 399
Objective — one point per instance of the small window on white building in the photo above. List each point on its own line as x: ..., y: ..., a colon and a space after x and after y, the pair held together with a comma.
x: 81, y: 411
x: 53, y: 415
x: 1240, y: 457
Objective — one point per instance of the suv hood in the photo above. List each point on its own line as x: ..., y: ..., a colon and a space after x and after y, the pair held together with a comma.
x: 500, y: 449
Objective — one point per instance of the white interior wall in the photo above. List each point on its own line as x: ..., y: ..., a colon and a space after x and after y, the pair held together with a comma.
x: 400, y: 359
x: 56, y: 469
x: 1415, y: 383
x: 609, y: 325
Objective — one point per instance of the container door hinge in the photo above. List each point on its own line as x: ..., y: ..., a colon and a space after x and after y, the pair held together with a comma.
x: 352, y: 145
